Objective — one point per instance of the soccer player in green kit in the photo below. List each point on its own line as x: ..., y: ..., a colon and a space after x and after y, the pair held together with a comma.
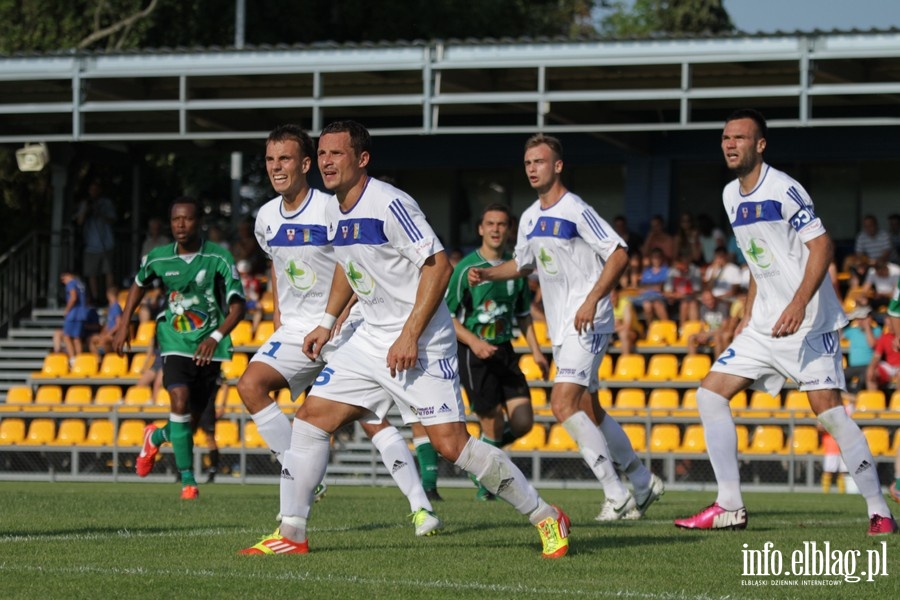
x: 200, y: 279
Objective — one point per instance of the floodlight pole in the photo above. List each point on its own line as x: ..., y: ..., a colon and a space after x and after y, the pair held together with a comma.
x: 59, y: 174
x: 237, y: 159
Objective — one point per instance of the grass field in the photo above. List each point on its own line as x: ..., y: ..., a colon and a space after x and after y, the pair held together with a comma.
x: 138, y: 540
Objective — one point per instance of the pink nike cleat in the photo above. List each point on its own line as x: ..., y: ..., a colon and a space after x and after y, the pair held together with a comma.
x: 879, y: 525
x: 715, y: 517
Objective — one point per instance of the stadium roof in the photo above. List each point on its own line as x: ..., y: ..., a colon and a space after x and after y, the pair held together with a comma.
x: 612, y: 86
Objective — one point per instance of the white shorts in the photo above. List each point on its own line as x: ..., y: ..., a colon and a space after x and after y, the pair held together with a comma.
x: 283, y: 351
x: 833, y: 463
x: 578, y: 358
x: 357, y: 374
x: 813, y: 361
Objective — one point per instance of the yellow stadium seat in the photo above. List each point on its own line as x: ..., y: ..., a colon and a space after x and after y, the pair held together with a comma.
x: 689, y: 328
x: 263, y: 332
x: 535, y: 439
x: 19, y: 394
x: 474, y: 429
x: 743, y: 438
x: 629, y: 367
x: 804, y: 440
x: 738, y: 401
x: 227, y: 435
x: 100, y: 433
x: 879, y: 440
x: 107, y: 395
x: 694, y: 367
x: 605, y: 397
x: 519, y: 341
x: 662, y: 402
x: 530, y: 368
x: 242, y: 334
x: 234, y: 368
x: 605, y: 370
x: 137, y: 365
x: 629, y: 401
x: 694, y: 439
x: 12, y: 432
x: 896, y: 447
x: 200, y: 439
x: 267, y: 302
x: 233, y: 400
x: 869, y: 403
x: 767, y: 439
x: 637, y: 435
x: 539, y: 400
x: 689, y: 404
x: 895, y: 403
x: 662, y: 367
x: 40, y: 432
x: 71, y: 433
x: 163, y: 399
x: 78, y: 395
x: 49, y: 395
x: 665, y: 438
x: 131, y: 433
x: 144, y: 334
x: 56, y: 364
x: 137, y: 395
x: 85, y: 365
x: 660, y: 333
x: 796, y: 404
x: 463, y: 394
x: 762, y: 404
x: 113, y: 365
x: 541, y: 334
x: 252, y: 439
x: 559, y: 440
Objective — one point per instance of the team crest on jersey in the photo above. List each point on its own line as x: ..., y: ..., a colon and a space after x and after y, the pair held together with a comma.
x: 300, y: 275
x: 758, y: 253
x: 744, y: 212
x: 291, y: 233
x: 185, y: 319
x: 359, y: 279
x: 548, y: 263
x: 344, y: 231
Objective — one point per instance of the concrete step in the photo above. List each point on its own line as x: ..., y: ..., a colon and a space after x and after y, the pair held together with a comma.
x: 31, y: 333
x: 21, y: 353
x: 48, y: 313
x: 36, y: 343
x: 21, y: 365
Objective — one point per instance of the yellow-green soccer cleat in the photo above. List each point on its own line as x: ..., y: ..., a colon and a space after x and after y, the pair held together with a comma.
x: 555, y: 534
x: 426, y: 522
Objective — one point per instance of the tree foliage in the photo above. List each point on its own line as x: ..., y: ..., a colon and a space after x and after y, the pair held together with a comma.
x: 671, y: 17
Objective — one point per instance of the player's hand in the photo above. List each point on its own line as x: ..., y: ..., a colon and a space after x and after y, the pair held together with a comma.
x: 789, y: 321
x: 584, y: 317
x: 483, y: 350
x: 204, y: 352
x: 475, y: 276
x: 314, y: 341
x: 543, y: 364
x: 402, y: 354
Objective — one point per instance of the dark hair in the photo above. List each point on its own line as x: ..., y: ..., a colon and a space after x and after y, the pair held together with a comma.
x: 198, y: 207
x: 755, y: 116
x: 360, y: 140
x: 286, y: 132
x: 496, y: 207
x: 553, y: 143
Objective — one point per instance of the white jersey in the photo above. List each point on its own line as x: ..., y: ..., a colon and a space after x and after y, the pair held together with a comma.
x: 772, y: 225
x: 302, y: 257
x: 569, y: 244
x: 381, y: 244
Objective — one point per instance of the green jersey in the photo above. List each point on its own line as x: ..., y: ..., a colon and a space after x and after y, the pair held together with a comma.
x: 198, y: 288
x: 488, y: 309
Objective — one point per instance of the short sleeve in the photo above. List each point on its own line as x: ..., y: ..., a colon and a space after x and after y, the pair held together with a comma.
x: 409, y: 233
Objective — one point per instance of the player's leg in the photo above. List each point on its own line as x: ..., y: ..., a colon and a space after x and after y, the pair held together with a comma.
x: 895, y: 487
x: 203, y: 417
x: 428, y: 462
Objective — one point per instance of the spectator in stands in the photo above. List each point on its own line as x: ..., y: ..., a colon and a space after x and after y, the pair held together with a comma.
x: 884, y: 368
x: 631, y: 277
x: 633, y: 239
x: 650, y: 291
x: 155, y: 236
x: 687, y: 240
x: 681, y: 288
x: 69, y: 338
x: 96, y: 215
x: 734, y: 252
x: 658, y: 239
x: 871, y: 242
x: 715, y: 314
x: 894, y: 233
x: 101, y: 343
x: 245, y: 247
x: 628, y: 327
x: 861, y: 334
x: 217, y: 236
x: 879, y: 285
x: 722, y: 277
x: 253, y: 290
x: 711, y: 237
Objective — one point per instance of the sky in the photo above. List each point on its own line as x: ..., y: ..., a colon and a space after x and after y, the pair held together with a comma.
x: 755, y: 16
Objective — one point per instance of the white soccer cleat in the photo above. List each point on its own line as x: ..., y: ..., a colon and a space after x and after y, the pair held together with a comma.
x: 611, y: 511
x: 643, y: 501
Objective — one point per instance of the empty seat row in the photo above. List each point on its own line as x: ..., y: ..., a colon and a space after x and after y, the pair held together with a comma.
x: 636, y: 367
x: 660, y: 333
x: 86, y: 365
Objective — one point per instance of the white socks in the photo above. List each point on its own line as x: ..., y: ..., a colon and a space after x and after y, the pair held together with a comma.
x: 302, y: 470
x: 596, y: 454
x: 858, y: 457
x: 400, y: 464
x: 623, y: 454
x: 274, y: 427
x: 721, y: 445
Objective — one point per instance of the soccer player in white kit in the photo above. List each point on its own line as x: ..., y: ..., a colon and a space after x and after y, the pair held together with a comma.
x: 291, y: 229
x: 579, y: 258
x: 790, y: 327
x: 404, y: 351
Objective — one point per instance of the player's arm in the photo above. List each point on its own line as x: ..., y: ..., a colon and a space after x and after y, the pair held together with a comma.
x: 276, y: 314
x: 338, y: 298
x: 479, y: 347
x: 821, y: 253
x: 434, y: 277
x: 609, y: 276
x: 506, y: 270
x: 120, y: 336
x: 237, y: 308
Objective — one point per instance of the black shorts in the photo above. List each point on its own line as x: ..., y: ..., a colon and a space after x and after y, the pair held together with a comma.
x: 202, y: 383
x: 490, y: 383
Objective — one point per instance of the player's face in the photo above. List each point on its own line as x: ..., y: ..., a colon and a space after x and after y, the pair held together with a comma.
x: 742, y: 146
x: 287, y: 168
x: 541, y: 168
x: 339, y: 165
x: 185, y: 222
x: 494, y: 229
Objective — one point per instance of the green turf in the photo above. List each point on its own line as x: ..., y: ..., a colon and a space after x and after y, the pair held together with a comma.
x: 138, y: 540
